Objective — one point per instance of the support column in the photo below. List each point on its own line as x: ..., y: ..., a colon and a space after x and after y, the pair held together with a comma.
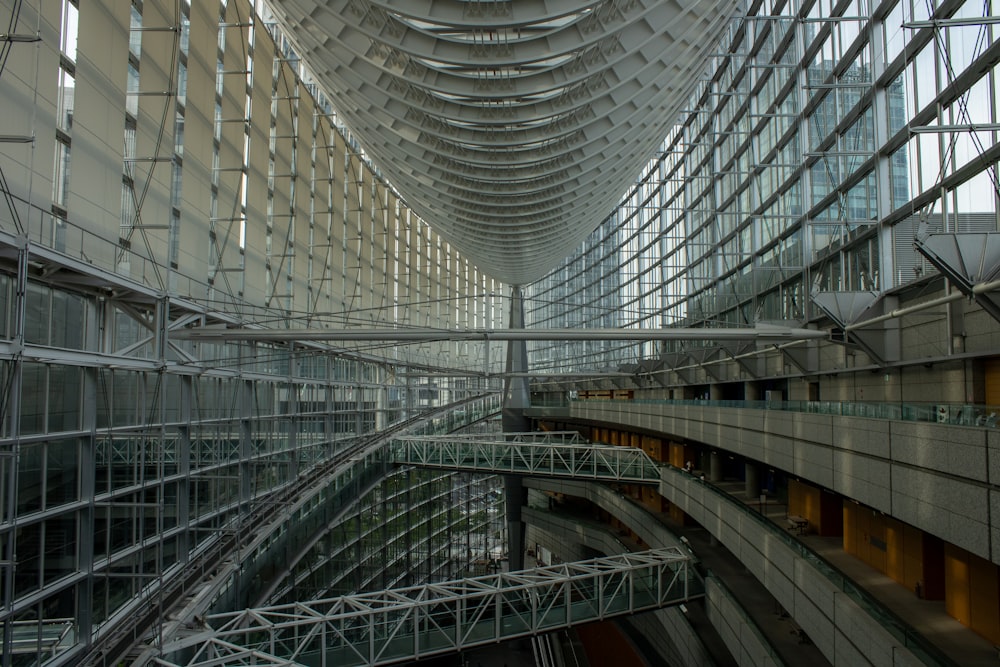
x: 185, y: 540
x: 96, y: 312
x: 245, y: 397
x: 515, y: 400
x: 752, y: 480
x: 11, y: 455
x: 359, y: 400
x: 408, y: 402
x: 329, y: 400
x: 714, y: 467
x: 293, y: 412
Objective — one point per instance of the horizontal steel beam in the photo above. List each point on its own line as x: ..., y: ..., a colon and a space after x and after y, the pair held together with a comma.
x: 559, y: 456
x: 403, y: 624
x: 420, y: 334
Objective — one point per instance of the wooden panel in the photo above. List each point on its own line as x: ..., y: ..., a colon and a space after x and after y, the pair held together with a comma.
x: 868, y: 530
x: 804, y: 500
x: 877, y: 541
x: 895, y: 558
x: 984, y: 601
x: 653, y: 447
x: 992, y: 368
x: 676, y: 454
x: 913, y: 558
x: 956, y: 583
x: 863, y: 523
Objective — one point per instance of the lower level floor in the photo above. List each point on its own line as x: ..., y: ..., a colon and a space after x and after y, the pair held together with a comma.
x: 949, y: 595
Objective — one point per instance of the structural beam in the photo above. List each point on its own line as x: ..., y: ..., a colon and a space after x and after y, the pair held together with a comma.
x: 421, y: 334
x: 405, y: 624
x: 554, y: 457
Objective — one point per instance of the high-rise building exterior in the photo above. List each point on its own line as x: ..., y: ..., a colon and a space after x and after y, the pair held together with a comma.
x: 173, y: 167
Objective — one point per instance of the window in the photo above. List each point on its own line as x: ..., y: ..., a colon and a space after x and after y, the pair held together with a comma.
x: 135, y: 33
x: 67, y: 82
x: 60, y: 176
x: 70, y: 27
x: 131, y: 96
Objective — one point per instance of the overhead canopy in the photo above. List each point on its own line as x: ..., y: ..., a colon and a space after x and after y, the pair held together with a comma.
x: 512, y: 128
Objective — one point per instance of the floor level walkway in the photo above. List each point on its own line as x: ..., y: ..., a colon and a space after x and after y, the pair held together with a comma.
x: 928, y: 617
x: 772, y: 621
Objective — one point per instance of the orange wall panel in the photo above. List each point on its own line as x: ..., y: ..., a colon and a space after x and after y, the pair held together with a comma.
x: 676, y: 454
x: 869, y: 537
x: 804, y: 501
x: 992, y: 381
x: 877, y: 551
x: 956, y: 583
x: 895, y: 559
x: 863, y: 520
x: 984, y: 601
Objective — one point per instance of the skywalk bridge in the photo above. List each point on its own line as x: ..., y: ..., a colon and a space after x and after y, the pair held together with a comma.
x: 545, y: 454
x: 404, y: 624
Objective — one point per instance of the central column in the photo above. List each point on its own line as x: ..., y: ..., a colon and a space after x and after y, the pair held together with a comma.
x: 516, y: 399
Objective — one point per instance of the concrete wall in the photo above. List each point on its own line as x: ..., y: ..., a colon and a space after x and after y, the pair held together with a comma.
x: 741, y: 637
x: 941, y: 478
x: 839, y: 627
x: 738, y: 631
x: 844, y: 632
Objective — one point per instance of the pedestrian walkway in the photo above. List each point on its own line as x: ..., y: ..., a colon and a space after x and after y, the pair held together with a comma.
x: 957, y: 641
x: 773, y: 622
x: 548, y: 454
x: 385, y: 627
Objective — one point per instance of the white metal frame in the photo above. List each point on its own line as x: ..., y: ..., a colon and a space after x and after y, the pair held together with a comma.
x: 510, y: 132
x: 549, y: 455
x: 405, y: 624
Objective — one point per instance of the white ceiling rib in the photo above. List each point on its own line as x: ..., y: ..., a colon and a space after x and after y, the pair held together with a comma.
x: 512, y: 128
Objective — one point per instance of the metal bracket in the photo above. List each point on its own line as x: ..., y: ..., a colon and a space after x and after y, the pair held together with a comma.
x: 968, y: 259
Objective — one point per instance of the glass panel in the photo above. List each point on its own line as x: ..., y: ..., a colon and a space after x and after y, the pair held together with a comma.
x: 33, y: 397
x: 70, y: 29
x: 67, y: 89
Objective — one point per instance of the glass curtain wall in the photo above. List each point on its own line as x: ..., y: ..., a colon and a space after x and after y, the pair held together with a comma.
x: 412, y: 527
x: 193, y: 175
x: 821, y: 134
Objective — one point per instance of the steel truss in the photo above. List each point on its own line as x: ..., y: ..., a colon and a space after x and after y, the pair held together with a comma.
x: 537, y: 454
x: 385, y: 627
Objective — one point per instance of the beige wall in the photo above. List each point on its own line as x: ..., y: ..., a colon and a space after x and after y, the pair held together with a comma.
x: 321, y: 227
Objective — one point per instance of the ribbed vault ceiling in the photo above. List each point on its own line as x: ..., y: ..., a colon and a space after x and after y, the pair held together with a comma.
x: 512, y: 128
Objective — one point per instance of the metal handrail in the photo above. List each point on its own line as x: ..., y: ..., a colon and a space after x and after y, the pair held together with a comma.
x: 955, y: 414
x: 910, y: 637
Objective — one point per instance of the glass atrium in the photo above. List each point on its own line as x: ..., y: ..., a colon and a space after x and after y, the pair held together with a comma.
x: 191, y: 184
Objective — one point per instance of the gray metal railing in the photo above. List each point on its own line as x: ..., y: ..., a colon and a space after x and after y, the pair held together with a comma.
x: 958, y: 414
x: 907, y: 635
x: 402, y: 624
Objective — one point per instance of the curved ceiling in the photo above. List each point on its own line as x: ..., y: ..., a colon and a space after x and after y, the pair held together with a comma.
x: 512, y: 128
